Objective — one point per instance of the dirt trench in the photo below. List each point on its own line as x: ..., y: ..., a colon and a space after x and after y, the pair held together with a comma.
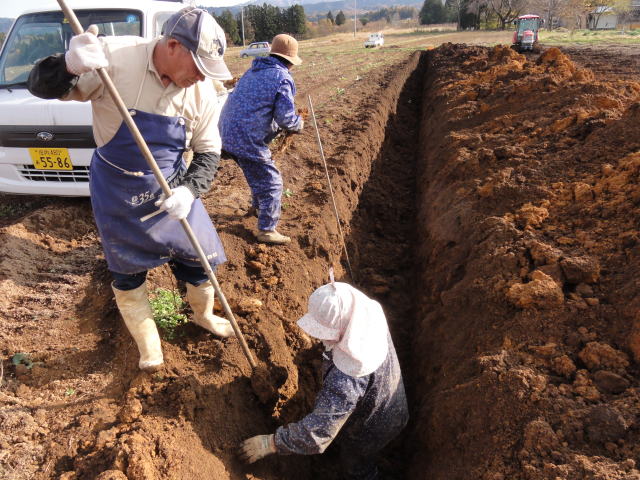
x: 525, y: 346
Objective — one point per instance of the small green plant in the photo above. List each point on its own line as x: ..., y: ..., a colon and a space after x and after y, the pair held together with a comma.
x: 69, y: 391
x: 167, y: 306
x: 288, y: 193
x: 22, y: 359
x: 285, y: 206
x: 14, y: 210
x: 339, y: 91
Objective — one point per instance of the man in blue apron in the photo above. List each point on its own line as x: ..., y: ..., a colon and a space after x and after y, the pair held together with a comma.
x: 160, y: 81
x: 261, y: 104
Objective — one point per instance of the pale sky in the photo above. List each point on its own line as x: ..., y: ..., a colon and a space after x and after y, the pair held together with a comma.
x: 12, y: 8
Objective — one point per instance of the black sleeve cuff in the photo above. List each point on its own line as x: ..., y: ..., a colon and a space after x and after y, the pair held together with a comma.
x: 49, y: 78
x: 201, y: 172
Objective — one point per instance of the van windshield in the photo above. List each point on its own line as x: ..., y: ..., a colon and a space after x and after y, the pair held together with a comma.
x: 39, y: 35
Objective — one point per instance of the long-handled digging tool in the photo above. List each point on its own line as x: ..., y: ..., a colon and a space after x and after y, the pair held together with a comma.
x: 104, y: 76
x: 333, y: 199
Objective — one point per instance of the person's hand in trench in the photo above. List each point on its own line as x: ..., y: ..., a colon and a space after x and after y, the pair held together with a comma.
x: 256, y: 448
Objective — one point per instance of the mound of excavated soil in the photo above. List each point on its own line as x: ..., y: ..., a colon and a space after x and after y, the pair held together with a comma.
x: 527, y: 332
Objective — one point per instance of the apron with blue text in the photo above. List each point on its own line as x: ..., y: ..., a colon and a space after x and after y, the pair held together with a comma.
x: 124, y: 189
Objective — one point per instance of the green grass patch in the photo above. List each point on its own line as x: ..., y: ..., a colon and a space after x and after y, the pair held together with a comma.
x: 14, y: 209
x: 590, y: 37
x: 167, y: 307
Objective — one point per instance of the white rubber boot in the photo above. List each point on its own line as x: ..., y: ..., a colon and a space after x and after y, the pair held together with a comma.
x: 201, y: 299
x: 137, y: 315
x: 272, y: 236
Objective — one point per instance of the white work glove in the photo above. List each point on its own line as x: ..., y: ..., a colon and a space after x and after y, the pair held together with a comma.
x: 85, y: 53
x: 300, y: 127
x: 178, y: 205
x: 255, y: 448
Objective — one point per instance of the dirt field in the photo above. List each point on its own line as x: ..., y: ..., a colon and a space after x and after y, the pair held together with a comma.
x: 490, y: 204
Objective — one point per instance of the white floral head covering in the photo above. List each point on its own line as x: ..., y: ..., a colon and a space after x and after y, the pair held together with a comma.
x: 340, y: 313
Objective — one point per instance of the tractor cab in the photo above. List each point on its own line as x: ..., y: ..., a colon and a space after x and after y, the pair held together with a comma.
x: 525, y: 37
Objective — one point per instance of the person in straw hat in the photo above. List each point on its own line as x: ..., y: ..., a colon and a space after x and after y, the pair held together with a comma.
x: 262, y: 104
x: 362, y: 402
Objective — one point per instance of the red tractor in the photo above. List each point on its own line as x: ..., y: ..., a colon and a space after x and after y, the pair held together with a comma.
x: 525, y: 38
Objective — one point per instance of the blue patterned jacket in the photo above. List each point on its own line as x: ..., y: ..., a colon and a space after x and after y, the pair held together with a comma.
x: 364, y: 413
x: 261, y: 103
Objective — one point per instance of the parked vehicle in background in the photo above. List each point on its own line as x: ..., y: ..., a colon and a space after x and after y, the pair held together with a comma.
x: 374, y: 40
x: 46, y: 145
x: 256, y: 49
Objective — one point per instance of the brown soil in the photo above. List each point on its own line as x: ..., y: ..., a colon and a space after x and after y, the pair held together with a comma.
x: 488, y: 201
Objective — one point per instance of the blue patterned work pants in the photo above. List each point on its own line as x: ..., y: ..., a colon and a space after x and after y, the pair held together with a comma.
x: 265, y: 182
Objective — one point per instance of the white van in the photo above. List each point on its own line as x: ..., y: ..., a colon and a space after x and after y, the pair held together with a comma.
x: 46, y: 145
x: 374, y: 40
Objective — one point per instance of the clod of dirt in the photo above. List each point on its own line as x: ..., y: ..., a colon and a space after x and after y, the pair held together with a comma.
x: 531, y: 216
x: 610, y: 382
x: 583, y: 386
x: 111, y: 475
x: 580, y: 269
x: 605, y: 424
x: 540, y: 437
x: 564, y: 366
x: 597, y: 355
x: 265, y: 383
x: 249, y: 305
x: 544, y: 254
x: 130, y: 411
x: 542, y: 291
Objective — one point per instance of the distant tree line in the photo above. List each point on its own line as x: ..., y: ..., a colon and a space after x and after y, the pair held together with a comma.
x: 500, y: 14
x: 262, y: 23
x: 390, y: 14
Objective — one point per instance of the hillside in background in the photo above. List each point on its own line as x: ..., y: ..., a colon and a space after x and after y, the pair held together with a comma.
x: 312, y: 8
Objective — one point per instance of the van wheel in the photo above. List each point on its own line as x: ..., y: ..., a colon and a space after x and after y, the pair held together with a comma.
x: 244, y: 55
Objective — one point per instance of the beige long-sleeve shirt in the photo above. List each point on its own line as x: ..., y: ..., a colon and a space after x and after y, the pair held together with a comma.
x: 133, y: 73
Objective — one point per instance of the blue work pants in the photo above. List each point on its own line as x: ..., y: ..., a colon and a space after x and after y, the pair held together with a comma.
x: 265, y: 182
x: 193, y: 275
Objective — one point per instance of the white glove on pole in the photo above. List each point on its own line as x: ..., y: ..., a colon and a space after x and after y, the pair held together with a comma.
x: 255, y: 448
x: 85, y: 53
x: 300, y: 126
x: 178, y: 205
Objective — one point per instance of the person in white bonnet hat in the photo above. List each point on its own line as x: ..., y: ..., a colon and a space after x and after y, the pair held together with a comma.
x: 362, y: 403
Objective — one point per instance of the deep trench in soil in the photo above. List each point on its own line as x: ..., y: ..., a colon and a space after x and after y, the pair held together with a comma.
x: 383, y: 236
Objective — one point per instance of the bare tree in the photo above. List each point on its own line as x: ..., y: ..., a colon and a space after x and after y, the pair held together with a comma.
x: 623, y: 9
x: 476, y: 7
x: 457, y: 7
x: 597, y: 8
x: 506, y: 10
x: 578, y: 10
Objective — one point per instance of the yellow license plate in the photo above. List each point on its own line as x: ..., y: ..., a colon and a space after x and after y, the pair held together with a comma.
x: 51, y: 158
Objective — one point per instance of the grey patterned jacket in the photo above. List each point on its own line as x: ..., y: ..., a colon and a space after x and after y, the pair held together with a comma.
x: 364, y: 413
